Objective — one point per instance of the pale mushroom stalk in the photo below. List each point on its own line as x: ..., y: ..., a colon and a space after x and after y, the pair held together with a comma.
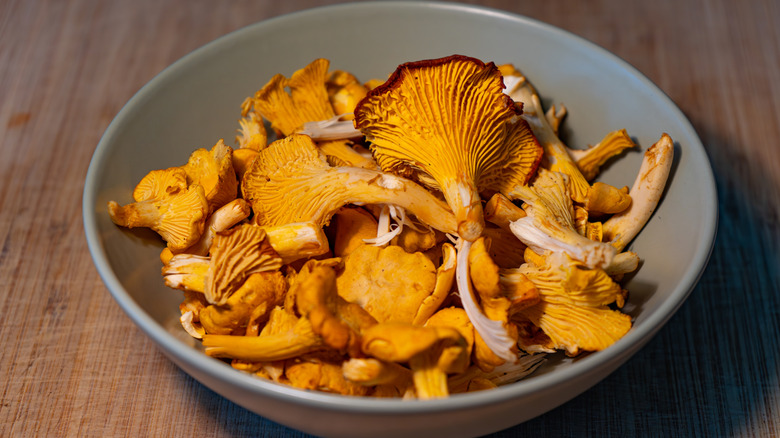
x: 332, y: 129
x: 556, y: 152
x: 500, y: 211
x: 291, y: 181
x: 492, y: 332
x: 645, y: 194
x: 549, y: 224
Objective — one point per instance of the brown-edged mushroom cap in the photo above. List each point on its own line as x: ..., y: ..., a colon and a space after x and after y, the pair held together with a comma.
x: 448, y: 119
x: 291, y: 181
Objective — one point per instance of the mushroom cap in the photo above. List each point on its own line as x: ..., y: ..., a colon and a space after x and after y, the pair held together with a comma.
x: 179, y: 218
x: 291, y: 181
x: 237, y: 253
x: 573, y: 310
x: 448, y: 119
x: 402, y: 342
x: 306, y: 101
x: 213, y: 170
x: 388, y: 283
x: 159, y: 184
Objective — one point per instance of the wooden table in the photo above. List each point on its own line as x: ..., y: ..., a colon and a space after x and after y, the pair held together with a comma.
x: 73, y: 364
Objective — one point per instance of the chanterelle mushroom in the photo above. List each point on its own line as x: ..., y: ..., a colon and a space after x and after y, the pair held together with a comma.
x: 556, y: 153
x: 431, y: 352
x: 549, y: 224
x: 306, y: 101
x: 213, y: 170
x: 178, y: 218
x: 290, y: 181
x: 448, y: 120
x: 371, y: 279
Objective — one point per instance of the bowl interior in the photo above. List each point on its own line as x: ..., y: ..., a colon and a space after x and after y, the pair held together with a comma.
x: 197, y: 101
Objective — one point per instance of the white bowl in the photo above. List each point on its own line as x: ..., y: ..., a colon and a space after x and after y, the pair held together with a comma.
x: 196, y: 101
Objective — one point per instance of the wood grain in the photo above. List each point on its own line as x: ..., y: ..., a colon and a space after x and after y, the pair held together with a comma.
x: 66, y: 68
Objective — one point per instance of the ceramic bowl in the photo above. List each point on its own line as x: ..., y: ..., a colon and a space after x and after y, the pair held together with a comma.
x: 196, y: 101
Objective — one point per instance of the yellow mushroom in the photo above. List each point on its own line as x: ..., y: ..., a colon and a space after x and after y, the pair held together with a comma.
x: 290, y: 181
x: 448, y: 121
x: 178, y: 218
x: 321, y: 375
x: 590, y: 160
x: 213, y: 170
x: 252, y: 133
x: 223, y: 218
x: 389, y: 379
x: 254, y: 300
x: 500, y: 211
x: 389, y: 283
x: 306, y: 101
x: 430, y: 352
x: 549, y: 224
x: 159, y: 184
x: 284, y: 337
x: 344, y: 92
x: 337, y: 321
x: 573, y: 310
x: 556, y: 153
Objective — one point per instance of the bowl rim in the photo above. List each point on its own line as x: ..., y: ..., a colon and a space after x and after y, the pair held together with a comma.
x: 176, y: 349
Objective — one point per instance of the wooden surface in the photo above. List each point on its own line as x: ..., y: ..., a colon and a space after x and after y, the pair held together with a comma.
x: 73, y: 364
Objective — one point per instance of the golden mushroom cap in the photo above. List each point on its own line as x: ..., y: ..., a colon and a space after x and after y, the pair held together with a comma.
x: 448, y: 120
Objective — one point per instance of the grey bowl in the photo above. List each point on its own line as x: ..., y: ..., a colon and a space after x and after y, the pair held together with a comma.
x: 195, y: 101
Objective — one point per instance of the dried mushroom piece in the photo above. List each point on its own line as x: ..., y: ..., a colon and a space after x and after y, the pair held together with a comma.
x: 213, y: 170
x: 448, y: 120
x: 290, y: 181
x: 178, y: 218
x: 306, y: 101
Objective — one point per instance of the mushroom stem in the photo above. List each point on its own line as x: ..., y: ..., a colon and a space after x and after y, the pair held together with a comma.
x: 300, y: 340
x: 429, y: 380
x: 645, y: 194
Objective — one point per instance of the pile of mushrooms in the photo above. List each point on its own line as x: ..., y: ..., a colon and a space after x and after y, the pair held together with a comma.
x: 416, y: 237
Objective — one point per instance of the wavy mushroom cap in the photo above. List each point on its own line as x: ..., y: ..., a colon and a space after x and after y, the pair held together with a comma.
x: 448, y: 120
x: 213, y: 170
x: 306, y: 101
x: 291, y: 181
